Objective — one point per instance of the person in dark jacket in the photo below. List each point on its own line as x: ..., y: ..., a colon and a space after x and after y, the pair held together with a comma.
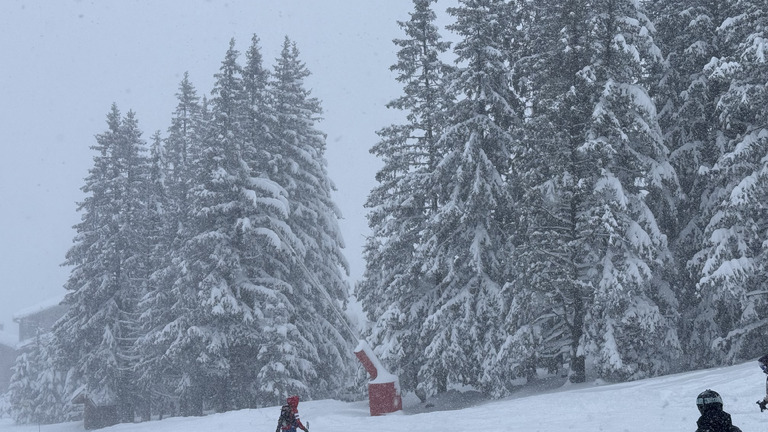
x: 289, y: 416
x: 713, y: 418
x: 763, y: 362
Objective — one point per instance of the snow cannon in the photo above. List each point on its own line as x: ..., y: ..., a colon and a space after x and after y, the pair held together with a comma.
x: 383, y: 387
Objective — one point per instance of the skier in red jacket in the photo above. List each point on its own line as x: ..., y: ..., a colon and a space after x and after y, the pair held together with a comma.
x: 289, y: 416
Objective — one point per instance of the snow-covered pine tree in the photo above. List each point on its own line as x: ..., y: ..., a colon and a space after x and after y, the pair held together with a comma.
x: 109, y: 269
x: 210, y: 257
x: 467, y: 240
x: 733, y: 258
x: 632, y: 325
x: 229, y: 260
x: 273, y: 381
x: 549, y: 298
x: 598, y: 176
x: 394, y: 287
x: 307, y: 350
x: 141, y: 212
x: 36, y: 392
x: 157, y: 253
x: 23, y: 388
x: 259, y: 115
x: 181, y: 148
x: 171, y: 181
x: 687, y: 94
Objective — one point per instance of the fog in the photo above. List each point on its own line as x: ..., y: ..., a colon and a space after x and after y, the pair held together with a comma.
x: 65, y: 62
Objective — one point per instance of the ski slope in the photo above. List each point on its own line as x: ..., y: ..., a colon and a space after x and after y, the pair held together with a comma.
x: 655, y: 405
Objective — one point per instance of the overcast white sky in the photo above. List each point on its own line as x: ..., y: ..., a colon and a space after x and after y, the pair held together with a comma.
x: 64, y: 62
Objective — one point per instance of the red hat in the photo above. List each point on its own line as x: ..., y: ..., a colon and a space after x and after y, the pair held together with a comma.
x: 293, y: 401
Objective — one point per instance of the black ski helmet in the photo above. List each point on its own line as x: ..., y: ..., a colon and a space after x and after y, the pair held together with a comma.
x: 709, y: 399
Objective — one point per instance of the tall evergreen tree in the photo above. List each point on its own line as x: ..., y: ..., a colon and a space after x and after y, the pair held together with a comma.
x: 318, y: 352
x: 549, y: 301
x: 171, y: 182
x: 687, y: 95
x: 395, y: 287
x: 181, y: 150
x: 732, y: 260
x: 467, y: 240
x: 259, y: 113
x: 594, y: 250
x: 154, y: 303
x: 629, y: 176
x: 36, y: 392
x: 109, y: 269
x: 230, y: 258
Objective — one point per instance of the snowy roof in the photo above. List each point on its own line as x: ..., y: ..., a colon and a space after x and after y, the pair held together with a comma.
x: 39, y: 307
x: 382, y: 375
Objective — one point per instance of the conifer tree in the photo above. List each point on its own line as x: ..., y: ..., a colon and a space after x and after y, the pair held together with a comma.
x: 207, y: 289
x: 154, y: 303
x: 395, y: 283
x: 468, y: 239
x: 594, y: 252
x: 36, y: 392
x: 231, y: 258
x: 315, y: 351
x: 23, y: 388
x: 109, y: 269
x: 629, y: 176
x: 171, y: 181
x: 548, y: 307
x: 732, y: 260
x: 259, y: 113
x: 687, y: 95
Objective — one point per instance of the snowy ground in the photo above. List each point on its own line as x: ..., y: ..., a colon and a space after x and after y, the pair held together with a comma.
x: 657, y: 405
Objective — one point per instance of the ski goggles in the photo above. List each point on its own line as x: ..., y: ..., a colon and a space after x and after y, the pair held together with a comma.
x: 709, y: 400
x: 764, y: 367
